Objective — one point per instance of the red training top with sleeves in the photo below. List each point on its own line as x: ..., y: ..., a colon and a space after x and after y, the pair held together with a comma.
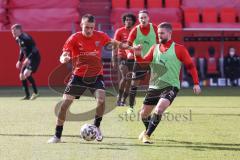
x: 181, y: 53
x: 121, y: 35
x: 144, y: 29
x: 86, y: 53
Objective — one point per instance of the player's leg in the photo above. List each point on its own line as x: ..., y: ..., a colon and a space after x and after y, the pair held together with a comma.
x: 132, y: 94
x: 73, y: 90
x: 64, y: 106
x: 32, y: 68
x: 128, y: 76
x: 167, y: 97
x: 24, y: 84
x: 138, y: 75
x: 145, y: 115
x: 28, y: 75
x: 150, y: 101
x: 98, y: 89
x: 123, y: 71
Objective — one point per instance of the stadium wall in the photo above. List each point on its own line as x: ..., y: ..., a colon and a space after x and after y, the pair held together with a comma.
x: 50, y: 46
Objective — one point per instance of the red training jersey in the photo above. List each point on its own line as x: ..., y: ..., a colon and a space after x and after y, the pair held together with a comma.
x: 121, y: 35
x: 86, y: 53
x: 181, y: 53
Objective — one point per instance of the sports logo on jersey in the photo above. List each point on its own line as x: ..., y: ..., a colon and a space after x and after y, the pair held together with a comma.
x: 80, y: 46
x: 97, y: 43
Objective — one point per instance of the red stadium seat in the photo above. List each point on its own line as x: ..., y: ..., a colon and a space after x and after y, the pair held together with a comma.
x: 136, y: 4
x: 176, y: 25
x: 215, y: 25
x: 210, y: 3
x: 3, y: 16
x: 154, y: 3
x: 3, y: 3
x: 209, y: 15
x: 45, y: 19
x: 167, y: 15
x: 31, y: 4
x: 172, y: 3
x: 228, y: 15
x: 191, y: 15
x: 117, y: 13
x: 119, y: 3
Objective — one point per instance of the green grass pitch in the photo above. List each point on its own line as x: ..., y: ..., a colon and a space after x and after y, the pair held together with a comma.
x: 195, y: 127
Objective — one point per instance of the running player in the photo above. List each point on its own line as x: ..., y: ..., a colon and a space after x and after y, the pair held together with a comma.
x: 165, y: 60
x: 84, y: 49
x: 125, y: 62
x: 145, y: 34
x: 28, y: 61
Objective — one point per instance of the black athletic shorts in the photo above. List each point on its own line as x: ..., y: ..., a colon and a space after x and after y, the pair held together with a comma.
x: 153, y: 95
x: 127, y: 62
x: 77, y: 85
x: 139, y: 72
x: 33, y: 65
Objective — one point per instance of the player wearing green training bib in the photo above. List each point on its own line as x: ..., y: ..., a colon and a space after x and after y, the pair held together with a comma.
x: 145, y: 34
x: 165, y: 60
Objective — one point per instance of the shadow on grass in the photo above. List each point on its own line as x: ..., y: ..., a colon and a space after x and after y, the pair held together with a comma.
x: 200, y: 146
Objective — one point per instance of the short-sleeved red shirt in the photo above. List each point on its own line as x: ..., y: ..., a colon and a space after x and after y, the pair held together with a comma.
x: 121, y: 35
x: 86, y: 53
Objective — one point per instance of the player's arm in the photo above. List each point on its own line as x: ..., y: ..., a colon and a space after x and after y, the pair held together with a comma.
x: 65, y: 57
x: 30, y: 45
x: 147, y: 59
x: 155, y: 30
x: 185, y: 58
x: 67, y: 49
x: 20, y: 58
x: 132, y: 36
x: 117, y: 44
x: 115, y: 50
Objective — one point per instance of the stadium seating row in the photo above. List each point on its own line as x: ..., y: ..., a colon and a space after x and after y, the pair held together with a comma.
x: 210, y: 15
x: 145, y: 3
x: 173, y: 15
x: 211, y: 3
x: 40, y: 15
x: 174, y: 3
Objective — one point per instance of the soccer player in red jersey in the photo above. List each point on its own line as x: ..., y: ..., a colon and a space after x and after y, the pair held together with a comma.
x: 145, y: 34
x: 125, y: 61
x: 165, y: 61
x: 84, y: 49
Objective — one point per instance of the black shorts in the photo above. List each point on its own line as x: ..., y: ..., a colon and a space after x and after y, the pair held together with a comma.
x: 153, y: 95
x: 33, y: 65
x: 139, y: 72
x: 77, y: 85
x: 127, y: 62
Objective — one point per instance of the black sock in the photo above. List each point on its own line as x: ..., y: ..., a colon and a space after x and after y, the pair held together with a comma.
x: 25, y: 87
x: 125, y: 95
x: 32, y: 81
x: 146, y: 121
x: 132, y: 95
x: 97, y: 121
x: 155, y: 119
x: 58, y: 131
x: 120, y: 94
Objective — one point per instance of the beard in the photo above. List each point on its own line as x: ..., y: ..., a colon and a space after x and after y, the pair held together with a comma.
x: 163, y: 41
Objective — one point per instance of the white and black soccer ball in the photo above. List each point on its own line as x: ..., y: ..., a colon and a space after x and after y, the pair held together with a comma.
x: 88, y: 132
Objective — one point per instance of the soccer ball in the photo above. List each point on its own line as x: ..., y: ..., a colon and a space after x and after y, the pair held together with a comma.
x: 88, y: 132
